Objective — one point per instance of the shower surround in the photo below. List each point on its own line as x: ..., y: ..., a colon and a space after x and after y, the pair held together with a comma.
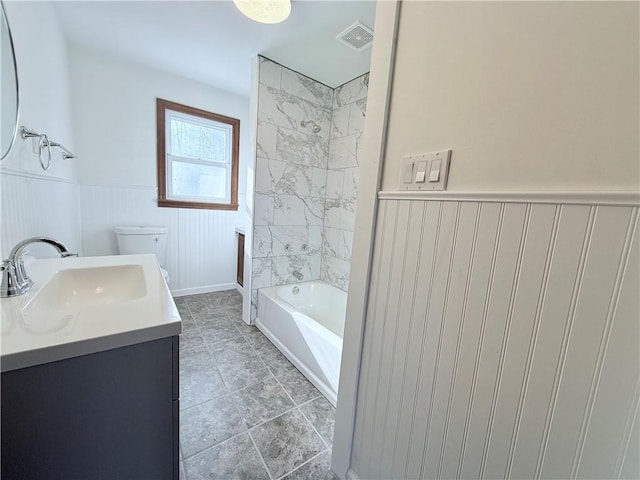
x: 305, y: 183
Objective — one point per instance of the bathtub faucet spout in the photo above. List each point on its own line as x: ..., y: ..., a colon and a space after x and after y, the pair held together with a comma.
x: 298, y: 276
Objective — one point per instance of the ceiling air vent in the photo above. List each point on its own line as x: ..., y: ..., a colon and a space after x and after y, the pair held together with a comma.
x: 358, y: 36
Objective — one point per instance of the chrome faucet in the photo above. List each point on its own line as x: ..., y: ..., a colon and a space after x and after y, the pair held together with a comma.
x: 15, y: 280
x: 298, y: 276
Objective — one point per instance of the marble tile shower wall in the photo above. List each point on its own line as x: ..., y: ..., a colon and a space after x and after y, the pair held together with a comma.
x: 299, y: 224
x: 291, y: 177
x: 347, y: 125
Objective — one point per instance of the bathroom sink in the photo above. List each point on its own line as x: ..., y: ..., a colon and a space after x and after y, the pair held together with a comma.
x: 76, y: 288
x: 84, y: 305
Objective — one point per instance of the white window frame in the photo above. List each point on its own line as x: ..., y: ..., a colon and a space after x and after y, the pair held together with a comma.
x: 170, y: 158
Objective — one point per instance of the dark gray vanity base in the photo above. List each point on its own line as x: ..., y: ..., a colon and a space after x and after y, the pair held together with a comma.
x: 108, y: 415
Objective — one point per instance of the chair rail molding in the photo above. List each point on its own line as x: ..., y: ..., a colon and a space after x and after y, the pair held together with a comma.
x: 615, y: 198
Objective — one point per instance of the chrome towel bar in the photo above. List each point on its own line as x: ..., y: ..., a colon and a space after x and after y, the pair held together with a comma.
x: 47, y: 144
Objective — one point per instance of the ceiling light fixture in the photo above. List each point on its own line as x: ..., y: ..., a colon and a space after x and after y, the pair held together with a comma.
x: 265, y: 11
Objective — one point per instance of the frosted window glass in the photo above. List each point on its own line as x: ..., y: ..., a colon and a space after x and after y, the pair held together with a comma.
x: 199, y: 141
x: 195, y: 180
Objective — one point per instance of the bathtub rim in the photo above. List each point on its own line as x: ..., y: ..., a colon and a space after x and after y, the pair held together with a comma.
x: 272, y: 293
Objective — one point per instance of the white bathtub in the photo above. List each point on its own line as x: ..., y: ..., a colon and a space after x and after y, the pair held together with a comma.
x: 307, y: 327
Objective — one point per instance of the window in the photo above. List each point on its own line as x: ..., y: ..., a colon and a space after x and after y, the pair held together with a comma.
x: 197, y: 158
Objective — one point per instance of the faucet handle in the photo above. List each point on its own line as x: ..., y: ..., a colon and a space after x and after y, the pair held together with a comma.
x: 13, y: 281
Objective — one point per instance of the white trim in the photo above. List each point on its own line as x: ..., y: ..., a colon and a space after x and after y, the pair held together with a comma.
x: 206, y: 289
x: 239, y: 289
x: 351, y: 475
x: 378, y: 100
x: 119, y: 185
x: 615, y: 198
x: 251, y: 182
x: 38, y: 176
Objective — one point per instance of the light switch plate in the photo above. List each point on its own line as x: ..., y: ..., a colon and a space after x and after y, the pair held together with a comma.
x: 411, y: 160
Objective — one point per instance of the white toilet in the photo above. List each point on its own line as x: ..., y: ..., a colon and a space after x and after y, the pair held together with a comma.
x: 143, y: 239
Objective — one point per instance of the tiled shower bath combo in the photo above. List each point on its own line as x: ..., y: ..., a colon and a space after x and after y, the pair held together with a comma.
x: 306, y: 178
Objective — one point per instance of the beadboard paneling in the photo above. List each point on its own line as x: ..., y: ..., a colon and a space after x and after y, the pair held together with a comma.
x: 500, y: 342
x: 207, y: 247
x: 34, y: 206
x: 201, y: 246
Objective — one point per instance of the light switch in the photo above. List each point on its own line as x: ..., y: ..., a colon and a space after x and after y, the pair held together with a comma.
x: 434, y: 174
x: 407, y: 174
x: 424, y: 171
x: 421, y: 172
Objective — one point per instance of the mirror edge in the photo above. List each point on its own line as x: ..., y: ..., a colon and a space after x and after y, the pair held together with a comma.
x: 3, y: 155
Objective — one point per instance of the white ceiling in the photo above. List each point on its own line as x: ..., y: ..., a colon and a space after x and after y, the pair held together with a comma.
x: 212, y: 42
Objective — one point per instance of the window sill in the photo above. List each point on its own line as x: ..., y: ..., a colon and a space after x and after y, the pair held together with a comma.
x: 200, y: 205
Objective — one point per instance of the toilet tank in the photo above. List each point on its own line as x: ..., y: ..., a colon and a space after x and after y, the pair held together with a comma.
x: 142, y: 239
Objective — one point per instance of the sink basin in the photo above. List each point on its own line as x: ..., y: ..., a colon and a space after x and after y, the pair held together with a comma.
x: 76, y: 288
x: 78, y: 306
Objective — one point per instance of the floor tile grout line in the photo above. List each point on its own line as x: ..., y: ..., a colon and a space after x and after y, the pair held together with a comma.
x: 285, y: 412
x: 287, y: 392
x: 295, y: 405
x: 255, y: 427
x: 184, y: 459
x: 314, y: 427
x: 306, y: 462
x: 246, y: 430
x: 305, y: 417
x: 252, y: 350
x: 228, y: 391
x: 282, y: 374
x: 236, y: 435
x: 264, y: 463
x: 265, y: 363
x: 333, y: 410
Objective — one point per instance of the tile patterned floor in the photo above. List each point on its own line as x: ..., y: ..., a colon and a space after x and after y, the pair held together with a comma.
x: 246, y: 411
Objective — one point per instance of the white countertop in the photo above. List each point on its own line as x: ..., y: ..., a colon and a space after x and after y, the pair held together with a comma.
x: 31, y: 335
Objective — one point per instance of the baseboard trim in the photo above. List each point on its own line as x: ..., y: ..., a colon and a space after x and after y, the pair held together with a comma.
x: 239, y: 288
x: 181, y: 292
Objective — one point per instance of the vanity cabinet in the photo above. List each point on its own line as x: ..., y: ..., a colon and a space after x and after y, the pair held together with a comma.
x: 108, y: 415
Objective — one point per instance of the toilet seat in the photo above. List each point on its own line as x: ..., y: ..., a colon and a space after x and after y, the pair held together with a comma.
x: 165, y: 274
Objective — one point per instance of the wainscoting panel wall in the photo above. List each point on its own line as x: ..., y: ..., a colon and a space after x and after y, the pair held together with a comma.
x: 34, y: 205
x: 201, y: 246
x: 207, y: 247
x: 501, y: 341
